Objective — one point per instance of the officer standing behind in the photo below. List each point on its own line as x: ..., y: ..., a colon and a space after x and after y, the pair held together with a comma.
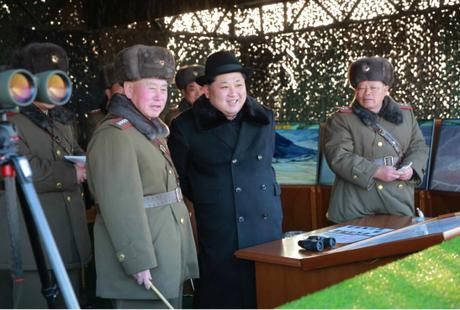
x: 223, y: 148
x: 45, y: 137
x: 189, y: 88
x: 375, y: 147
x: 95, y: 116
x: 142, y: 231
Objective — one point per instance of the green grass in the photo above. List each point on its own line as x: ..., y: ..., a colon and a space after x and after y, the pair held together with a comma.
x: 428, y: 279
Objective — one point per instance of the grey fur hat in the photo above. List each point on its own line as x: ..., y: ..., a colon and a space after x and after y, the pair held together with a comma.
x: 187, y: 75
x: 108, y: 75
x: 40, y: 57
x: 141, y: 61
x: 371, y: 69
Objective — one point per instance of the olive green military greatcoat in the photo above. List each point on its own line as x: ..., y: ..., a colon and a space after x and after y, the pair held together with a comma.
x: 350, y: 148
x: 55, y: 182
x: 124, y: 166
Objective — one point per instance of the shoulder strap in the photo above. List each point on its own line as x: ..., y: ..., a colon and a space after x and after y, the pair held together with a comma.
x: 59, y: 140
x: 163, y: 147
x: 389, y: 137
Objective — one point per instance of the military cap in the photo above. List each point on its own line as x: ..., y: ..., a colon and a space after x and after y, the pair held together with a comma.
x: 40, y: 57
x: 370, y: 69
x: 141, y: 61
x: 187, y: 75
x: 108, y: 75
x: 220, y: 63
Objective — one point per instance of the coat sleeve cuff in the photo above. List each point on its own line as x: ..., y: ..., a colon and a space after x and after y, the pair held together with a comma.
x: 66, y: 175
x: 134, y: 259
x: 363, y: 177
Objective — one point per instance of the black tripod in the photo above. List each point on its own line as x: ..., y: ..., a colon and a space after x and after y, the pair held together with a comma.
x: 17, y: 167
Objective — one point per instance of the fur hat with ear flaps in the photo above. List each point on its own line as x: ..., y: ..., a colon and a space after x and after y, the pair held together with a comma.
x: 370, y: 69
x: 40, y: 57
x: 108, y: 75
x: 141, y: 61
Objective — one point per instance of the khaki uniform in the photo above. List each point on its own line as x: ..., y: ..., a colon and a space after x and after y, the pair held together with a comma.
x: 60, y: 196
x: 123, y: 167
x: 350, y: 149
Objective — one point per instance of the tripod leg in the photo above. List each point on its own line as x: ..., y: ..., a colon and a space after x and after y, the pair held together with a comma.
x: 38, y: 228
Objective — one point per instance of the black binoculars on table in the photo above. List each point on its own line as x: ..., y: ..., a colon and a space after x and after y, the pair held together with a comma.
x: 317, y: 243
x: 18, y: 87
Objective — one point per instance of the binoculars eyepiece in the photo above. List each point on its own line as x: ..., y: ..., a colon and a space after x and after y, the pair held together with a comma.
x: 317, y: 243
x: 18, y: 87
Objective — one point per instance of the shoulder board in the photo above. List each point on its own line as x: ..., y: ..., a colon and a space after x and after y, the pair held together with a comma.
x: 404, y: 106
x: 121, y: 123
x: 344, y: 109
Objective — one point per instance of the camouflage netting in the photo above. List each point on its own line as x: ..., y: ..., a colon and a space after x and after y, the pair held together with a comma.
x: 300, y: 50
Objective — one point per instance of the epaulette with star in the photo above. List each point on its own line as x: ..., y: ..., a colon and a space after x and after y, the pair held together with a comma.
x: 121, y: 123
x: 405, y: 106
x: 344, y: 109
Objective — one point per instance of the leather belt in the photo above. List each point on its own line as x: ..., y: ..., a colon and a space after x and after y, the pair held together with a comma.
x: 390, y: 161
x: 158, y: 200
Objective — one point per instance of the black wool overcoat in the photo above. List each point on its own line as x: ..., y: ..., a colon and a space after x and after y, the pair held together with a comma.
x: 234, y: 192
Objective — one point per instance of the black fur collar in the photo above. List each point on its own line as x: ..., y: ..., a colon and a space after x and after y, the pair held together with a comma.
x: 121, y: 106
x: 390, y: 111
x: 208, y: 117
x: 42, y: 120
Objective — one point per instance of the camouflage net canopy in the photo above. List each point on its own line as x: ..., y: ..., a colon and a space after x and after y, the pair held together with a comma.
x: 300, y: 50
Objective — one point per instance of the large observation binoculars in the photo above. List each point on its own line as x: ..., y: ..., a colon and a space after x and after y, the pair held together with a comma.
x: 18, y: 87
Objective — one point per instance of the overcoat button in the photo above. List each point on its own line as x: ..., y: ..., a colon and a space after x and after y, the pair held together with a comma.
x: 259, y: 157
x: 380, y: 186
x: 170, y: 171
x: 69, y: 198
x: 380, y: 144
x: 59, y: 185
x: 241, y: 219
x: 265, y: 216
x: 234, y: 161
x: 121, y: 257
x: 182, y: 220
x: 58, y: 152
x: 263, y: 187
x: 355, y: 177
x: 238, y: 189
x: 400, y: 185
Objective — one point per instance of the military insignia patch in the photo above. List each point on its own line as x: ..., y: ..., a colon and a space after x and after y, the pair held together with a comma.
x: 404, y: 106
x: 344, y: 109
x: 121, y: 123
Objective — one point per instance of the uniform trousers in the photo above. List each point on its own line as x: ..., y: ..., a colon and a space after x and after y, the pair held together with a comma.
x: 147, y: 303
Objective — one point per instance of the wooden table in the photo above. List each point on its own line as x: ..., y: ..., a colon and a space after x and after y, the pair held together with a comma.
x: 285, y: 272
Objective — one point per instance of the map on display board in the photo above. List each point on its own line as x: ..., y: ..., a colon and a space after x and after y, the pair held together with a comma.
x: 296, y: 153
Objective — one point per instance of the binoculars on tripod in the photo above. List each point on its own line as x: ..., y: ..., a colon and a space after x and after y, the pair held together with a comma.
x: 18, y: 87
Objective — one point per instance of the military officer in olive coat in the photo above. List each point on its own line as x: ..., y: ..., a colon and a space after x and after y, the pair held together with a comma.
x: 223, y: 148
x: 375, y: 148
x: 142, y: 231
x: 45, y: 137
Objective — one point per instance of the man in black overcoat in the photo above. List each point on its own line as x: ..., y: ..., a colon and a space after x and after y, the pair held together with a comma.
x: 222, y: 149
